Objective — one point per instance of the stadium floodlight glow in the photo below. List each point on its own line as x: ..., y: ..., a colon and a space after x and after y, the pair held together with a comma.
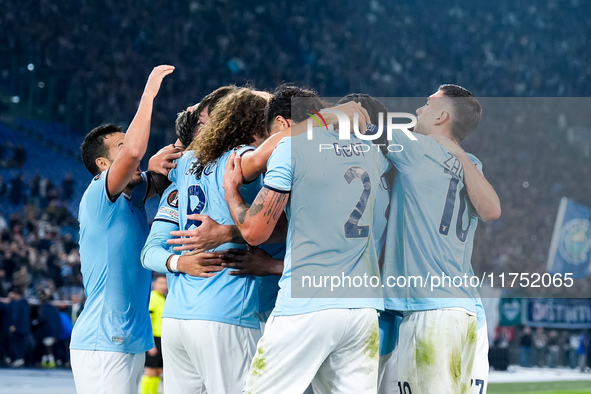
x: 15, y: 99
x: 41, y: 85
x: 30, y: 67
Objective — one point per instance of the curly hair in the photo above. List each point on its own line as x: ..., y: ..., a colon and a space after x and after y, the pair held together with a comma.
x: 235, y: 121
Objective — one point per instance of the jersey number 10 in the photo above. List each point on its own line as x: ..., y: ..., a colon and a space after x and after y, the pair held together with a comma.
x: 448, y: 210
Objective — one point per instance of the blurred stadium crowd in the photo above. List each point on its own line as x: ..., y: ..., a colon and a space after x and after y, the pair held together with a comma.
x: 92, y: 56
x: 86, y: 62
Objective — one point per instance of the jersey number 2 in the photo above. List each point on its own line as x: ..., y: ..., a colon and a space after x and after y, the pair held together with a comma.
x: 352, y: 227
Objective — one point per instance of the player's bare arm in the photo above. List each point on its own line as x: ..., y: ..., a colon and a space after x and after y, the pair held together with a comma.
x: 254, y: 163
x: 254, y: 261
x: 256, y: 223
x: 482, y: 195
x: 134, y: 144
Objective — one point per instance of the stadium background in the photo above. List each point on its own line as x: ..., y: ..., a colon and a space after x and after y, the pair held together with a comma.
x: 66, y: 67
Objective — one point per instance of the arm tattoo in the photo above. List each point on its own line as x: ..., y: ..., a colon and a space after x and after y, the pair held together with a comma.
x: 275, y: 205
x: 257, y: 205
x: 243, y: 208
x: 236, y: 235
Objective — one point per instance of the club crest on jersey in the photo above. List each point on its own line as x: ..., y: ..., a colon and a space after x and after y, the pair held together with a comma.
x: 173, y: 199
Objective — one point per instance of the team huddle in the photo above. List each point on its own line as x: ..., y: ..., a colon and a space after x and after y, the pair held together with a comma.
x: 249, y: 208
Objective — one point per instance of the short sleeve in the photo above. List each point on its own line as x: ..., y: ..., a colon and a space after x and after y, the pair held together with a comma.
x: 241, y: 150
x: 279, y: 170
x: 406, y: 153
x: 97, y: 202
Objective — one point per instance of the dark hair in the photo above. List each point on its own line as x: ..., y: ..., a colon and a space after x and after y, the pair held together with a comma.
x: 212, y: 99
x: 93, y: 146
x: 235, y: 121
x: 281, y: 104
x: 467, y: 110
x: 187, y: 123
x: 372, y: 105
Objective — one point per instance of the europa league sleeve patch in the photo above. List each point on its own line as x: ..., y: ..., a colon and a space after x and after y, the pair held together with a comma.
x: 173, y: 199
x: 168, y: 211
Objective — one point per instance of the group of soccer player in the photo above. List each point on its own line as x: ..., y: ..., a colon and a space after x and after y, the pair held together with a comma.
x: 249, y: 207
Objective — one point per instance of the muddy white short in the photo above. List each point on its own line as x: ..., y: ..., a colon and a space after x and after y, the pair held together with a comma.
x: 436, y: 351
x: 335, y: 349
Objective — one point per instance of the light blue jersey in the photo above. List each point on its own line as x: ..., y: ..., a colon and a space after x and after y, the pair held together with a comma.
x: 156, y: 251
x: 223, y: 298
x: 115, y: 317
x: 330, y: 212
x: 431, y: 228
x: 480, y: 314
x: 382, y: 211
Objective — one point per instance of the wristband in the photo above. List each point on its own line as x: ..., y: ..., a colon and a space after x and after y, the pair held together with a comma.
x: 174, y: 261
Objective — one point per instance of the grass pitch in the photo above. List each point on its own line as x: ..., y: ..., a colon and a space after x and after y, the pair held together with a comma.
x: 574, y: 387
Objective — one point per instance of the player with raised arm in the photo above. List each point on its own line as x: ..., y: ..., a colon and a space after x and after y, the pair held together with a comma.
x: 438, y: 195
x: 157, y: 254
x: 210, y: 328
x: 113, y: 332
x: 329, y: 339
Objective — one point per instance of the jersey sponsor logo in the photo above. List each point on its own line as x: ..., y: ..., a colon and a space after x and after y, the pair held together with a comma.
x: 118, y: 339
x: 173, y: 199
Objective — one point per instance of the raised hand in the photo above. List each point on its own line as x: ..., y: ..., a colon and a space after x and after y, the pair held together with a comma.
x: 155, y: 79
x: 353, y: 110
x: 162, y: 161
x: 233, y: 174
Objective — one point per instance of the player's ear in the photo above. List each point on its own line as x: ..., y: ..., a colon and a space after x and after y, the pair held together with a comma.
x: 282, y: 122
x: 102, y: 163
x: 442, y: 118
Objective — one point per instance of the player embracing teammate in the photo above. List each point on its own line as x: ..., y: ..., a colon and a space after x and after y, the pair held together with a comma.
x: 253, y: 176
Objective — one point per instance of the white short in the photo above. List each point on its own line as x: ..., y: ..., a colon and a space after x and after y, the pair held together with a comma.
x: 205, y: 356
x: 100, y: 372
x: 336, y: 350
x: 436, y: 351
x: 388, y: 373
x: 480, y: 368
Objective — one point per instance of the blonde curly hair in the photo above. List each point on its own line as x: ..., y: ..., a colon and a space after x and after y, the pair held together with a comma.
x: 235, y: 121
